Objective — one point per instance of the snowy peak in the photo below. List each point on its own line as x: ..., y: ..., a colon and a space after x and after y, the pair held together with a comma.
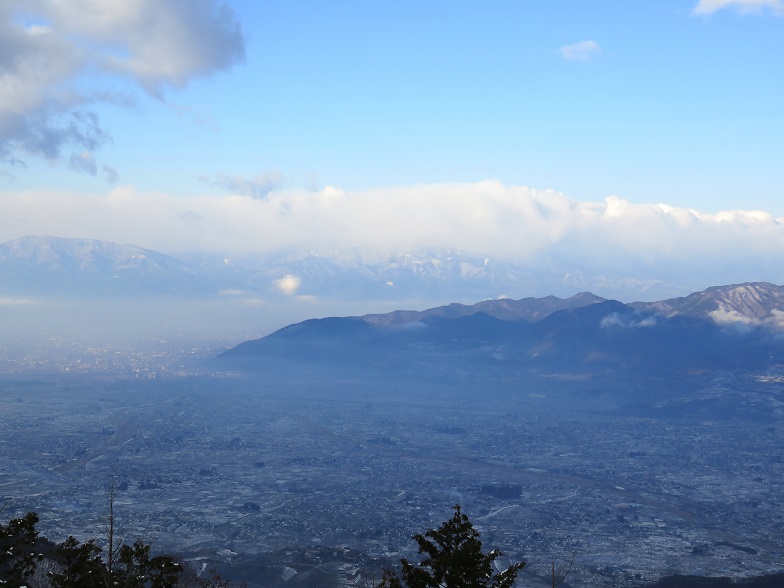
x: 51, y: 266
x: 32, y: 265
x: 84, y: 254
x: 753, y: 303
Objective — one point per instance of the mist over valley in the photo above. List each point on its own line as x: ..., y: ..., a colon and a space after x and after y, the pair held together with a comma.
x: 639, y: 439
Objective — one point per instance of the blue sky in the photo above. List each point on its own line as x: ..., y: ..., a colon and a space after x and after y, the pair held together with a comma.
x: 672, y: 107
x: 222, y: 111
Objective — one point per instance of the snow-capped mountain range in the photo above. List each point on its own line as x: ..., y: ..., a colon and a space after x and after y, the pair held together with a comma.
x: 46, y: 266
x: 85, y: 268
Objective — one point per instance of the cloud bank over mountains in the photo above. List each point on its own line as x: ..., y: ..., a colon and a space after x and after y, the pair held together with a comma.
x: 486, y: 219
x: 62, y: 61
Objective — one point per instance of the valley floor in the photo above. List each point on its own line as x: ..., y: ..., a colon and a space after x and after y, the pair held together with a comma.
x: 306, y: 481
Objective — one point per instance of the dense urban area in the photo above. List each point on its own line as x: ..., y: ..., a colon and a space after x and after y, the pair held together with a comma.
x: 303, y: 481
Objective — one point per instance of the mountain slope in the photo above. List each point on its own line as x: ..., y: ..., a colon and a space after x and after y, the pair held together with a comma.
x: 752, y: 302
x: 587, y: 335
x: 35, y: 265
x: 528, y: 309
x: 44, y: 266
x: 50, y: 266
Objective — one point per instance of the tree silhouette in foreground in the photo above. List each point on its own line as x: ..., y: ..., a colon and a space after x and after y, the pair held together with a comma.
x: 81, y: 565
x: 78, y: 565
x: 17, y: 550
x: 453, y: 559
x: 120, y: 566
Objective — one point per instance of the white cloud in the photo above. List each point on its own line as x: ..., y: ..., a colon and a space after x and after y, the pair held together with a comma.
x: 616, y: 321
x: 154, y: 44
x: 582, y: 51
x: 777, y: 319
x: 288, y: 284
x: 724, y: 316
x: 16, y: 302
x: 711, y: 6
x: 160, y: 43
x: 729, y: 317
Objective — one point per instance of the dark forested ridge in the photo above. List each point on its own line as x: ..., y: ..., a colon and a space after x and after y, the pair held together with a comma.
x: 728, y: 327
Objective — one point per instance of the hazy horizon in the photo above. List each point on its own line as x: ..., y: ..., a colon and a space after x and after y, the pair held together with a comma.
x: 636, y: 144
x: 631, y: 151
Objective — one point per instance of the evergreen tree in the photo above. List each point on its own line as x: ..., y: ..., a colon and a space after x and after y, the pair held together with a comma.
x: 453, y: 559
x: 80, y: 565
x: 134, y: 568
x: 17, y: 550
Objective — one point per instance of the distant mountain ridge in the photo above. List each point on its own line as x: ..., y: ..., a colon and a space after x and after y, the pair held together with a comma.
x: 529, y: 309
x: 52, y: 266
x: 719, y: 328
x: 750, y: 303
x: 753, y: 303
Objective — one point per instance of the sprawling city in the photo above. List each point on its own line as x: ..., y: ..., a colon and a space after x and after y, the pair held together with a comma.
x: 326, y: 481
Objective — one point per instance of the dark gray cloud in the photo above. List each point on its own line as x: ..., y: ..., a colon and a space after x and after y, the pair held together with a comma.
x: 83, y: 162
x: 151, y: 43
x: 257, y: 187
x: 110, y: 174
